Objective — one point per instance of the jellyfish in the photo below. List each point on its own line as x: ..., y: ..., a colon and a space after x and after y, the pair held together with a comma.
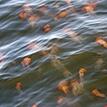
x: 101, y: 41
x: 73, y: 35
x: 76, y: 87
x: 61, y: 14
x: 82, y: 72
x: 89, y: 7
x: 98, y: 64
x: 54, y: 49
x: 22, y: 15
x: 63, y: 86
x: 19, y: 86
x: 33, y: 19
x: 56, y: 62
x: 34, y: 105
x: 60, y: 99
x: 98, y: 93
x: 26, y: 61
x: 46, y: 28
x: 27, y: 9
x: 59, y: 66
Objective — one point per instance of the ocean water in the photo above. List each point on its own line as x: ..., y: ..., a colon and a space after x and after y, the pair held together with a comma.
x: 54, y: 56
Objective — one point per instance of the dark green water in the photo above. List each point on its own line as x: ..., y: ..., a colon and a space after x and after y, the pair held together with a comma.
x: 41, y: 77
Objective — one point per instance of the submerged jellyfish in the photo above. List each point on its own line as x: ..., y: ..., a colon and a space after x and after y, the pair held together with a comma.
x: 98, y: 93
x: 89, y: 7
x: 34, y: 105
x: 63, y: 86
x: 101, y: 41
x: 60, y: 66
x: 73, y: 35
x: 33, y: 19
x: 99, y: 63
x: 46, y: 28
x: 61, y: 14
x: 56, y: 62
x: 27, y: 13
x: 26, y: 61
x: 22, y: 15
x: 19, y: 86
x: 82, y: 72
x: 60, y: 100
x: 76, y: 87
x: 27, y: 8
x: 54, y: 49
x: 32, y: 45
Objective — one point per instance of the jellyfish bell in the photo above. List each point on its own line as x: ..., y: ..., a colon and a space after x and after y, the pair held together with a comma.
x: 44, y: 53
x: 54, y: 49
x: 32, y: 19
x: 34, y: 105
x: 101, y: 41
x: 60, y: 99
x: 76, y: 87
x: 63, y: 86
x: 82, y: 71
x: 32, y: 45
x: 99, y: 64
x: 46, y: 28
x: 61, y: 14
x: 27, y: 8
x: 73, y: 35
x: 98, y: 93
x: 22, y: 15
x: 89, y: 7
x: 19, y: 85
x: 26, y: 61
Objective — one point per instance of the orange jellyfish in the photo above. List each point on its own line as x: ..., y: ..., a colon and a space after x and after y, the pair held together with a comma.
x: 101, y: 41
x: 63, y: 86
x: 26, y: 61
x: 46, y: 28
x: 32, y: 45
x: 60, y: 100
x: 82, y: 71
x: 34, y: 105
x: 33, y: 19
x: 19, y: 85
x: 89, y: 7
x: 61, y: 14
x: 26, y: 11
x: 97, y: 93
x: 22, y: 15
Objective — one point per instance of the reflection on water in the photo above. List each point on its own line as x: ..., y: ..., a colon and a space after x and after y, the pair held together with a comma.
x: 53, y: 53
